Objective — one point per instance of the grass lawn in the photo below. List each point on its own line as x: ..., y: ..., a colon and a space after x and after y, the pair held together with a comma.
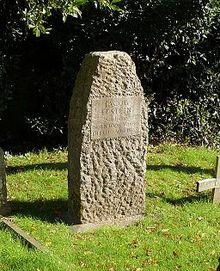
x: 181, y: 229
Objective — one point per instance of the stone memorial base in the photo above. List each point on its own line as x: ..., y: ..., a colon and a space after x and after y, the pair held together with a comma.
x: 132, y: 220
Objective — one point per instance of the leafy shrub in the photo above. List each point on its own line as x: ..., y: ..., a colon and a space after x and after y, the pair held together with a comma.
x: 174, y: 43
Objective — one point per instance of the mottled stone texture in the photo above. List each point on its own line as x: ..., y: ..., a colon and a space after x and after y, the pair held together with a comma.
x: 4, y: 207
x: 107, y: 143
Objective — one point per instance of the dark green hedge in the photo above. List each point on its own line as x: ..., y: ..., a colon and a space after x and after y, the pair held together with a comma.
x: 175, y: 45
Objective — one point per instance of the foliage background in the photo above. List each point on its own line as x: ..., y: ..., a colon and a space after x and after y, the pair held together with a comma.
x: 174, y: 43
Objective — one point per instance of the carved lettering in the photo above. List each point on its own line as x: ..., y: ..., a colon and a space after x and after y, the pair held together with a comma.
x: 116, y: 117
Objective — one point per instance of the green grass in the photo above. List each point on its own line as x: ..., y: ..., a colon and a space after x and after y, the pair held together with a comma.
x: 181, y: 229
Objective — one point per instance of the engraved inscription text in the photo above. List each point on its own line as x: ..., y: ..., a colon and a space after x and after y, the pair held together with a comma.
x: 116, y: 117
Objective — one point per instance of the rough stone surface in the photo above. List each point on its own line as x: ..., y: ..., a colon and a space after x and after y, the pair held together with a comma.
x: 107, y: 140
x: 4, y: 206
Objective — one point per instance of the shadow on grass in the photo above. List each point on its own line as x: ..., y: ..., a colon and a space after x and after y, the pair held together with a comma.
x: 218, y: 268
x: 180, y: 201
x: 63, y: 166
x: 51, y: 211
x: 44, y: 166
x: 54, y: 211
x: 181, y: 168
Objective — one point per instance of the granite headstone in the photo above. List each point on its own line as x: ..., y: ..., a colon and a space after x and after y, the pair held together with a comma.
x: 4, y: 206
x: 107, y: 138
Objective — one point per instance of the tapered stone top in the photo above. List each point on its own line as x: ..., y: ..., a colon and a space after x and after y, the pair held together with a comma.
x: 107, y: 140
x: 4, y: 206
